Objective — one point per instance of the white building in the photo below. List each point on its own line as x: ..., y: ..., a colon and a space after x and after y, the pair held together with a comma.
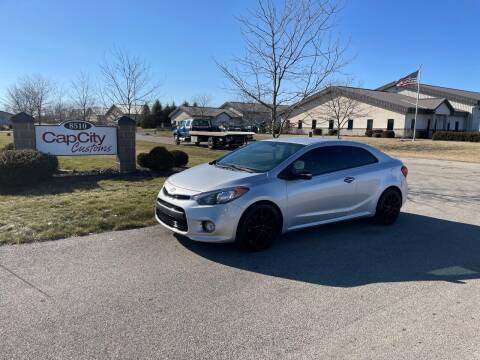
x: 217, y: 116
x: 392, y: 108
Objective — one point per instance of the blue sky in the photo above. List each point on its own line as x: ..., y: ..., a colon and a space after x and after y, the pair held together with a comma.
x: 180, y: 40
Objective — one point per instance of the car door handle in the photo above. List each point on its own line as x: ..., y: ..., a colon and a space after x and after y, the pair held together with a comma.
x: 349, y: 179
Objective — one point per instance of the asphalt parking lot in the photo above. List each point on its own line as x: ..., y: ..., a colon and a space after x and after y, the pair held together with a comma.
x: 351, y: 291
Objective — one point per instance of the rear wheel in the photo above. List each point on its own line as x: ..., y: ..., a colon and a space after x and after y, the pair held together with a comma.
x: 259, y: 226
x: 388, y: 207
x: 211, y: 143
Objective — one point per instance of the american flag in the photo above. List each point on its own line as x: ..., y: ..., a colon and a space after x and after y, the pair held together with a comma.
x: 408, y: 80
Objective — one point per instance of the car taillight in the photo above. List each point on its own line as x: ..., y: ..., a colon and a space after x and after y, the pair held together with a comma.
x: 404, y: 170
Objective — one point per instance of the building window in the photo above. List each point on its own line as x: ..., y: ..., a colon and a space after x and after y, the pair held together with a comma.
x: 330, y: 124
x: 435, y: 125
x: 448, y: 126
x: 314, y: 124
x: 428, y: 125
x: 390, y: 123
x: 300, y: 124
x: 456, y: 125
x: 369, y: 124
x: 412, y: 124
x: 350, y: 124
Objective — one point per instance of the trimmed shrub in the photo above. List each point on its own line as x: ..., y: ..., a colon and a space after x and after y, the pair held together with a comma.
x: 332, y: 132
x: 142, y: 160
x: 9, y: 146
x: 369, y: 133
x: 317, y: 132
x: 180, y: 158
x: 377, y: 135
x: 23, y: 167
x: 456, y: 136
x: 388, y: 134
x: 158, y: 159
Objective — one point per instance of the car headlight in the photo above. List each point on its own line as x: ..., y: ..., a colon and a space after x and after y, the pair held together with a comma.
x: 219, y: 196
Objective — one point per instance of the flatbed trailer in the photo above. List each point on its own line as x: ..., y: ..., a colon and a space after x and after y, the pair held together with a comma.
x: 217, y: 139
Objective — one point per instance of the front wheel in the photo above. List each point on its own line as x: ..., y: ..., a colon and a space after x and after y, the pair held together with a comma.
x: 211, y: 143
x: 259, y: 226
x: 388, y: 207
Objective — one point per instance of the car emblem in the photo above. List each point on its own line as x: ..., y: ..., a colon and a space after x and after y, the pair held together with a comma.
x: 172, y: 190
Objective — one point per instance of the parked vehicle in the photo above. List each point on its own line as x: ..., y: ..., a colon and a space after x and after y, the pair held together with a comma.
x: 269, y: 187
x: 201, y: 130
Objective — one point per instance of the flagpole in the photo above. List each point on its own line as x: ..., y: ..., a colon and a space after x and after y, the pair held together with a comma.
x: 416, y: 105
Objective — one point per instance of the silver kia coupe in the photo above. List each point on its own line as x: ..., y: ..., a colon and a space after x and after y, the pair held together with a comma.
x: 269, y: 187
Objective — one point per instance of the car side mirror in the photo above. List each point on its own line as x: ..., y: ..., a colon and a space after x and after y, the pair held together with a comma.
x: 302, y: 176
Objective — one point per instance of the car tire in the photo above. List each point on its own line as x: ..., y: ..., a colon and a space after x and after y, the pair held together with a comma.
x: 259, y: 226
x: 211, y: 143
x: 388, y: 207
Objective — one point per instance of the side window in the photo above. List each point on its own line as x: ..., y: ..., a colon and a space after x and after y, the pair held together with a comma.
x: 390, y: 123
x: 328, y: 159
x: 369, y: 124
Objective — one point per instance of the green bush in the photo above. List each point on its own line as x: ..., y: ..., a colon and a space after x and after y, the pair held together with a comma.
x: 23, y: 167
x: 456, y: 136
x: 180, y: 158
x: 377, y: 135
x: 142, y: 160
x: 9, y: 146
x: 158, y: 159
x: 388, y: 134
x: 332, y: 132
x: 369, y: 133
x: 317, y: 132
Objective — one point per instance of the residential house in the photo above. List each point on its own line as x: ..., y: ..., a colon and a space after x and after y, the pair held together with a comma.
x: 5, y: 118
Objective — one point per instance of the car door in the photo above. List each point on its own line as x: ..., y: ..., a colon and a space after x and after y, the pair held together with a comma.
x: 328, y: 195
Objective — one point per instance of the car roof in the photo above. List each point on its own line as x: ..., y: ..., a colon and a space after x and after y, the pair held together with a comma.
x: 312, y: 141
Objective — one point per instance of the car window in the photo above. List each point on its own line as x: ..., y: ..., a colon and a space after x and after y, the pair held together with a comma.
x: 260, y: 156
x: 201, y: 122
x: 328, y: 159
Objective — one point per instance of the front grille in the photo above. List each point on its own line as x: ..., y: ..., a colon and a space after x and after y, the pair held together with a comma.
x: 171, y: 215
x: 175, y: 196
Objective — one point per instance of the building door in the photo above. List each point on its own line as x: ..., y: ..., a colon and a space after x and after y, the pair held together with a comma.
x: 314, y: 124
x: 330, y: 124
x: 456, y: 125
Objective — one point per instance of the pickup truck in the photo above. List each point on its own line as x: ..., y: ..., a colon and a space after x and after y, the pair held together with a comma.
x: 201, y: 130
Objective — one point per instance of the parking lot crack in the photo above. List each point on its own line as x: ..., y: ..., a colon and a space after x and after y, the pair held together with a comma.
x: 25, y: 281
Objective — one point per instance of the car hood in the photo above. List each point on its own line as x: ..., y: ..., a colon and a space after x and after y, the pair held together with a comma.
x: 207, y: 177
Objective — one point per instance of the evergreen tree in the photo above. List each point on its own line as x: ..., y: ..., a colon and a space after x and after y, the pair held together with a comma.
x: 157, y: 113
x: 185, y: 103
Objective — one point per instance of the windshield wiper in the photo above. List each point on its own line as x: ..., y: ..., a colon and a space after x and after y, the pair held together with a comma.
x: 236, y: 167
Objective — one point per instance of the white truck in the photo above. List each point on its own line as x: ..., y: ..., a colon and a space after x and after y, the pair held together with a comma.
x: 201, y: 130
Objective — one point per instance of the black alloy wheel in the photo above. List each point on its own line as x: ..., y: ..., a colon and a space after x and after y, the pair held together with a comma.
x: 388, y: 207
x: 259, y: 226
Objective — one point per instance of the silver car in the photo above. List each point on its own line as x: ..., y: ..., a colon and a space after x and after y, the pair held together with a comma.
x: 269, y: 187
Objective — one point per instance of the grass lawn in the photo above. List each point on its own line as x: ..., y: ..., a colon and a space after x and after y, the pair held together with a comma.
x: 61, y: 208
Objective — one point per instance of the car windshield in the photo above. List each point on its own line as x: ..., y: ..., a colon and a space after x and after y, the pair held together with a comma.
x: 260, y: 156
x: 199, y: 122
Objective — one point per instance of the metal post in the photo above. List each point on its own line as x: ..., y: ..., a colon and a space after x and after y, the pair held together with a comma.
x: 416, y: 105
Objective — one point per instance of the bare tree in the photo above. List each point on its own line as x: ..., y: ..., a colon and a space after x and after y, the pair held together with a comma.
x: 31, y: 94
x: 202, y: 101
x: 289, y: 55
x: 340, y: 106
x: 127, y: 81
x: 82, y: 94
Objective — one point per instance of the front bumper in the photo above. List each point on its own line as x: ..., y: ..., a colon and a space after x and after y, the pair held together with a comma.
x: 185, y: 217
